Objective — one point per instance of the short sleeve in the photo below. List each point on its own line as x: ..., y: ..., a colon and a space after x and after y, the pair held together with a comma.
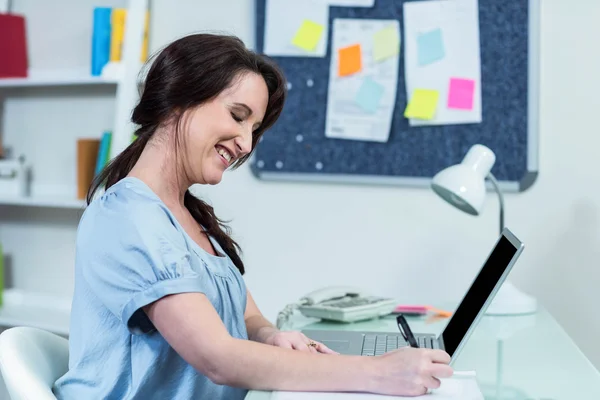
x: 131, y: 259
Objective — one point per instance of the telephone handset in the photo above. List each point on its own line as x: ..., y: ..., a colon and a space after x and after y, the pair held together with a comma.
x: 345, y: 304
x: 330, y: 293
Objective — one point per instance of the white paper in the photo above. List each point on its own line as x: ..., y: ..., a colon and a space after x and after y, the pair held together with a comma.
x: 282, y: 20
x: 451, y: 389
x: 351, y: 3
x: 459, y: 22
x: 345, y: 119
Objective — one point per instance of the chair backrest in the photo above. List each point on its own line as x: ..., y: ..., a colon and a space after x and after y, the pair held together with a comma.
x: 31, y: 360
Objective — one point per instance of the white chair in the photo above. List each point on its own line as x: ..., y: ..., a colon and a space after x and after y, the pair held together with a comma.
x: 31, y: 360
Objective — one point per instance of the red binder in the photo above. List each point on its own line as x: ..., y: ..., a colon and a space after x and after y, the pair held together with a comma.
x: 13, y: 46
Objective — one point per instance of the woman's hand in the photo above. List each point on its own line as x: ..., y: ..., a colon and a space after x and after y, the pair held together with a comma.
x: 409, y: 371
x: 297, y: 341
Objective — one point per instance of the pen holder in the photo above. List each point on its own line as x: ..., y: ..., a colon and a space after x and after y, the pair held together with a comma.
x: 13, y: 178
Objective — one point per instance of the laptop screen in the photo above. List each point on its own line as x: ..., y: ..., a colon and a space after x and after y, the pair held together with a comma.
x: 478, y: 293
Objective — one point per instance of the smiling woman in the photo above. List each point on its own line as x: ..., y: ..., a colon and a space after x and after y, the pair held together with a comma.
x: 160, y: 308
x: 204, y: 95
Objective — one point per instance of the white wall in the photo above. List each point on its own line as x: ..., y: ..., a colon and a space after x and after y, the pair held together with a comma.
x: 393, y: 241
x: 407, y: 243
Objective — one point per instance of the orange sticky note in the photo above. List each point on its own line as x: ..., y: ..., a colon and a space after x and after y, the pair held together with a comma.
x: 350, y: 60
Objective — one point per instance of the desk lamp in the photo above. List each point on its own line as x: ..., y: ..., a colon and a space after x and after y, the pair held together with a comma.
x: 463, y: 186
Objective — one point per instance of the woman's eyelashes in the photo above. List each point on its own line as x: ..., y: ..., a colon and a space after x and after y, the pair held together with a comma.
x: 236, y: 117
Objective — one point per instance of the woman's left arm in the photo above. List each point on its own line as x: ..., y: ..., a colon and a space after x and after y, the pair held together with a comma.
x: 261, y: 330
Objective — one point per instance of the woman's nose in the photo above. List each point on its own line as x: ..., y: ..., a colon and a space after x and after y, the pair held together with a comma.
x: 243, y: 143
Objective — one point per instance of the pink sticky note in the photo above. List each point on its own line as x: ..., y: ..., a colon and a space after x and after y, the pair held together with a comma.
x: 461, y: 93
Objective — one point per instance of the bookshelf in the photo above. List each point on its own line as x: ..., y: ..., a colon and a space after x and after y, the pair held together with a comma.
x: 21, y: 308
x: 35, y: 235
x: 43, y: 201
x: 57, y: 77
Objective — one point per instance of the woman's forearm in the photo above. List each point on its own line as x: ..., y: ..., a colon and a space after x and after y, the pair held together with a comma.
x: 259, y: 329
x: 256, y: 366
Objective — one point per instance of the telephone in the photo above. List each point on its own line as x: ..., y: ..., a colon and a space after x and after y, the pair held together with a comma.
x: 344, y: 304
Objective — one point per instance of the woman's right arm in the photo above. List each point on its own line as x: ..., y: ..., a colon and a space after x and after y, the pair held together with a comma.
x: 190, y: 324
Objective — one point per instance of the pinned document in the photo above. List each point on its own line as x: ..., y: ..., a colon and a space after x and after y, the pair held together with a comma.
x: 349, y: 60
x: 423, y: 104
x: 308, y: 36
x: 361, y: 97
x: 441, y: 49
x: 296, y: 28
x: 386, y: 43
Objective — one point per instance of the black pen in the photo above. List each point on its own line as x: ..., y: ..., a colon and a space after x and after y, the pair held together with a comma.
x: 406, y: 332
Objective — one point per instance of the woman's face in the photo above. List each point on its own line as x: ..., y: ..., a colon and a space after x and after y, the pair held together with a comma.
x: 220, y: 131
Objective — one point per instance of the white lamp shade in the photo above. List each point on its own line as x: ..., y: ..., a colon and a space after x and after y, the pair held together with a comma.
x: 463, y: 185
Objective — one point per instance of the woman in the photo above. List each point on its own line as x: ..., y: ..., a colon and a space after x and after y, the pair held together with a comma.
x: 160, y: 309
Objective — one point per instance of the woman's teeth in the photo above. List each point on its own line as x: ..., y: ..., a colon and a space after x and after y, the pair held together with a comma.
x: 225, y: 154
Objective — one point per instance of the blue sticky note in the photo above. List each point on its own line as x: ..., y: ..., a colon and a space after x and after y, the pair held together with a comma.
x: 369, y: 95
x: 430, y: 47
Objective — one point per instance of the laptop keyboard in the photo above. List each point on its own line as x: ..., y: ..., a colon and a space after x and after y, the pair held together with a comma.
x: 376, y: 345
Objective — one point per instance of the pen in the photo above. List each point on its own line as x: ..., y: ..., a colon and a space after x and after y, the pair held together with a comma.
x: 406, y: 332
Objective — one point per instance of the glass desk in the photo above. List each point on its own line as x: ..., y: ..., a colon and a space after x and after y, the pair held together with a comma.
x: 516, y: 358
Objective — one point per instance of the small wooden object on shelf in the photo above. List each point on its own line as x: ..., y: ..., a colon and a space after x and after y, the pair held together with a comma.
x: 87, y: 152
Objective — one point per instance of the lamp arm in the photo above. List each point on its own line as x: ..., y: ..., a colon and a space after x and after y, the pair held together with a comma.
x: 492, y: 179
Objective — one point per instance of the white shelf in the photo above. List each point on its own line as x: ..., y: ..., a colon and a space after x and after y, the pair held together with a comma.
x: 43, y: 201
x: 58, y: 77
x: 21, y: 308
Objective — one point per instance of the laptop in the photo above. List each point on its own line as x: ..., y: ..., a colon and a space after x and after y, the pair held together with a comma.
x: 496, y: 268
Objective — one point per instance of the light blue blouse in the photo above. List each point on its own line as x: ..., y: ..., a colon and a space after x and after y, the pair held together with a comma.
x: 131, y: 251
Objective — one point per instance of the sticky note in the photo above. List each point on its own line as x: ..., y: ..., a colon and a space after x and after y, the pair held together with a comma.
x: 423, y: 104
x: 369, y: 95
x: 308, y: 35
x: 386, y: 43
x: 430, y: 47
x: 350, y: 60
x: 461, y: 93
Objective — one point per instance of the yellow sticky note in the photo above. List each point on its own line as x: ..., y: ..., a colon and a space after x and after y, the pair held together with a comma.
x: 423, y: 104
x: 386, y: 43
x: 308, y: 35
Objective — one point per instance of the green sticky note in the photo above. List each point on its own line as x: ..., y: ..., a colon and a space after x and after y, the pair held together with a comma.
x: 386, y: 43
x: 308, y: 35
x: 423, y: 104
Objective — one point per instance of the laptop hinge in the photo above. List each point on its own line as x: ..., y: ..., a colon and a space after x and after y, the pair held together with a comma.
x: 441, y: 343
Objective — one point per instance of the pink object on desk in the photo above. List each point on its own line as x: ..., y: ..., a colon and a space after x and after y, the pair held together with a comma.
x: 410, y: 309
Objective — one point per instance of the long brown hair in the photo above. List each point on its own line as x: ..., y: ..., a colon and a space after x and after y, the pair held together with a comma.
x: 185, y: 74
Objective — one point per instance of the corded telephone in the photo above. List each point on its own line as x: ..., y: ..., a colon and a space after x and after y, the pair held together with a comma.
x: 345, y: 304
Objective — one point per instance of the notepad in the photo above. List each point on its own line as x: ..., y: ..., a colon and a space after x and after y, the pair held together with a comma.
x: 451, y: 389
